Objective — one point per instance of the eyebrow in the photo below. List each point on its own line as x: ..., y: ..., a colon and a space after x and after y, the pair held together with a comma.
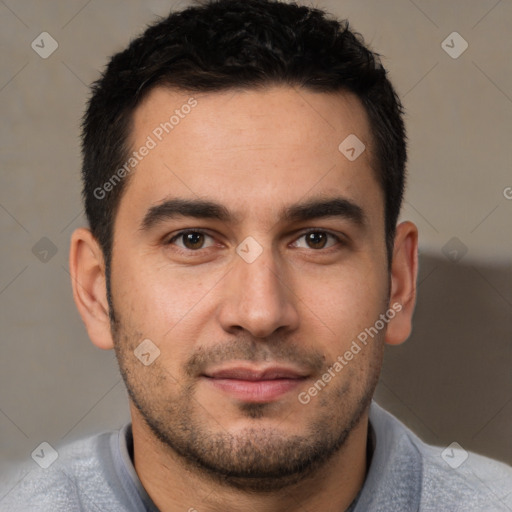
x: 205, y: 209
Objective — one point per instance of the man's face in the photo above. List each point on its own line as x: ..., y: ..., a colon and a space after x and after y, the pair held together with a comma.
x: 253, y: 292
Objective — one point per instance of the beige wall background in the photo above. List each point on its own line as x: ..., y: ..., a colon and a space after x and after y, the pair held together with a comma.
x: 451, y: 381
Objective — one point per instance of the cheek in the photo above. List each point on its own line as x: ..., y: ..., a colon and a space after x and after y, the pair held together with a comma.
x: 161, y: 301
x: 343, y: 294
x: 337, y: 306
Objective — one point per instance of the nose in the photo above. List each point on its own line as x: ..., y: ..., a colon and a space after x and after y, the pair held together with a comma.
x: 258, y: 297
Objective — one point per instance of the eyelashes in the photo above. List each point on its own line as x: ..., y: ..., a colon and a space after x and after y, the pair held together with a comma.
x: 195, y: 238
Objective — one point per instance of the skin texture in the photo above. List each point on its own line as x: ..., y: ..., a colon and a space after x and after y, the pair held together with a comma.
x: 301, y: 303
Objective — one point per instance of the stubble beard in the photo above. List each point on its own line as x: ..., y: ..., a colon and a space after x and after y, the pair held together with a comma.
x: 258, y: 458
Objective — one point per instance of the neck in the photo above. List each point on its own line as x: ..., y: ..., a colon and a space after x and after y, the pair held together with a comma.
x: 173, y: 485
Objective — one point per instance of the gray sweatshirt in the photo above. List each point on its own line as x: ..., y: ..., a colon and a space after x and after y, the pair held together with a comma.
x: 405, y: 475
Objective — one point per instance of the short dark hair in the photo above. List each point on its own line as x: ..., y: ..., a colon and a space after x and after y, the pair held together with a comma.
x: 218, y: 45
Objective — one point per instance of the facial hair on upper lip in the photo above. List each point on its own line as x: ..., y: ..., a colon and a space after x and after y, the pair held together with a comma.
x: 204, y: 358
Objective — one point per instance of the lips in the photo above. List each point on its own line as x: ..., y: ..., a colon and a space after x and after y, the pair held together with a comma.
x: 243, y: 373
x: 257, y: 385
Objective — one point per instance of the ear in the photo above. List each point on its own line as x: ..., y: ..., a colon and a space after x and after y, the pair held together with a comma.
x: 404, y: 270
x: 87, y: 269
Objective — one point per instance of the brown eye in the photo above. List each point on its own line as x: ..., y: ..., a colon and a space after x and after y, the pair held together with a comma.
x: 318, y: 240
x: 191, y: 240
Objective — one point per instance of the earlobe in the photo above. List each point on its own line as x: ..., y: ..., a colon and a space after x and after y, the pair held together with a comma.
x: 404, y: 269
x: 87, y: 269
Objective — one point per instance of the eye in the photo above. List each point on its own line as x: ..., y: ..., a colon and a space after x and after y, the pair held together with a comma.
x: 192, y: 240
x: 316, y: 239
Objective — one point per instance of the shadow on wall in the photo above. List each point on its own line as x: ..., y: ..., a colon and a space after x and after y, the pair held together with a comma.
x: 452, y: 379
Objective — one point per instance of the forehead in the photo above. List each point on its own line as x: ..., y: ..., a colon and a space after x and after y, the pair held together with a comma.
x: 254, y: 150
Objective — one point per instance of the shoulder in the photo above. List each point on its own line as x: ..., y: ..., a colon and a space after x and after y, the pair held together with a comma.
x: 468, y: 480
x: 73, y: 473
x: 449, y: 477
